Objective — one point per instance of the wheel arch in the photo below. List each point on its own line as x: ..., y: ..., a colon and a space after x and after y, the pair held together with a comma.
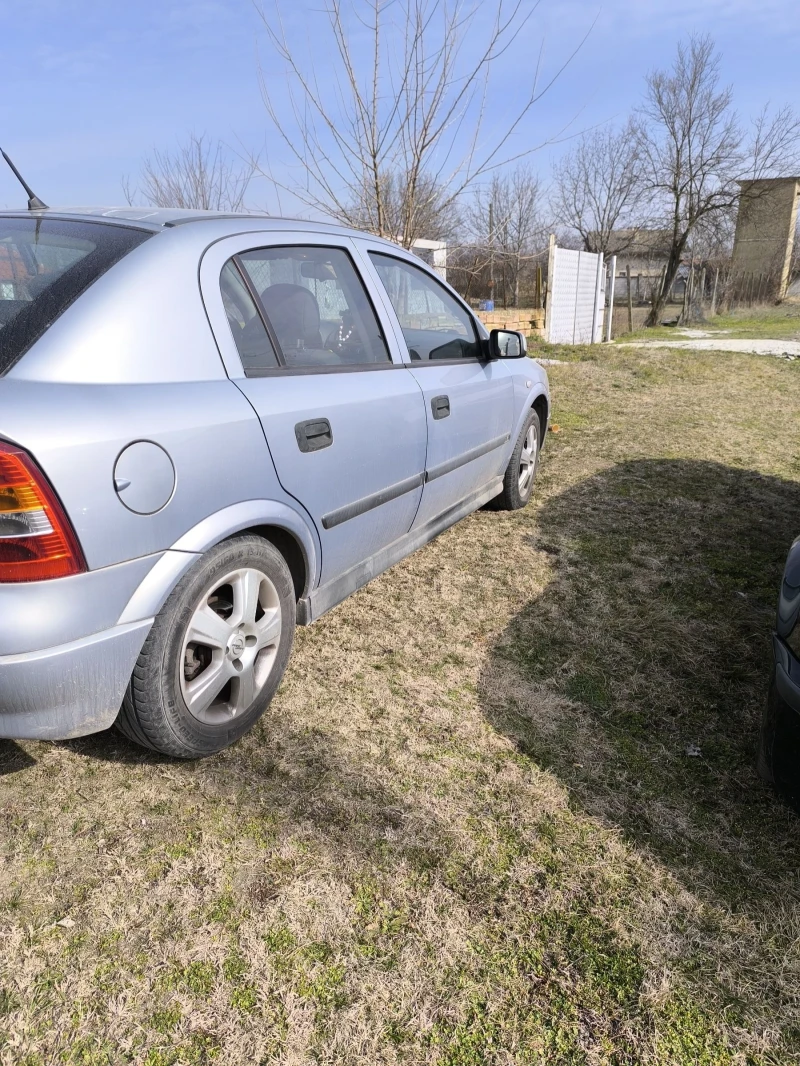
x: 541, y: 406
x: 275, y: 522
x: 290, y: 548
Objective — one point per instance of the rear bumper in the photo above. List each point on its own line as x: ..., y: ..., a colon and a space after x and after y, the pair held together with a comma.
x: 69, y: 690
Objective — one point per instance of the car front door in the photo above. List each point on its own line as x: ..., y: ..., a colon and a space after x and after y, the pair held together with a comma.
x: 343, y: 418
x: 468, y: 399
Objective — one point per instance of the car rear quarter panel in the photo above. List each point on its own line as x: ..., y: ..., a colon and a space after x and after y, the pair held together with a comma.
x: 135, y: 359
x: 142, y: 321
x: 76, y: 432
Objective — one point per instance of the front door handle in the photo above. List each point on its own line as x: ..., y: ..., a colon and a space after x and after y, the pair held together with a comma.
x: 440, y: 406
x: 313, y: 435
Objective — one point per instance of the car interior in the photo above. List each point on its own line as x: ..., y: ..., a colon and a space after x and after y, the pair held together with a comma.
x: 343, y: 331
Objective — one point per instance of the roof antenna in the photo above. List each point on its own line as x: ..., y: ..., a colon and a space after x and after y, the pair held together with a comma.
x: 34, y: 203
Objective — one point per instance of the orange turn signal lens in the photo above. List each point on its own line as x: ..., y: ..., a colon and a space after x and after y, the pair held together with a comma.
x: 37, y: 541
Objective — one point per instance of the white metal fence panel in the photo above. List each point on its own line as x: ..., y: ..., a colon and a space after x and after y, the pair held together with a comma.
x: 575, y: 297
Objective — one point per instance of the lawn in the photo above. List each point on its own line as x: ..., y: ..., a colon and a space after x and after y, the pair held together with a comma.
x: 747, y: 323
x: 504, y: 809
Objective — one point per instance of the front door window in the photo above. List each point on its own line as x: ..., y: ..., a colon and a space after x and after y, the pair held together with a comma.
x: 435, y: 326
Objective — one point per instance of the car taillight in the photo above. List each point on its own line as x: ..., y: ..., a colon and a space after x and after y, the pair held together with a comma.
x: 36, y: 539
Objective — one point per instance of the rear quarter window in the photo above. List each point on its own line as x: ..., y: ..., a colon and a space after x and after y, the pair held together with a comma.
x: 45, y: 265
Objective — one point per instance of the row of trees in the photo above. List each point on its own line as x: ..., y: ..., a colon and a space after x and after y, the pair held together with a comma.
x: 403, y: 144
x: 676, y: 166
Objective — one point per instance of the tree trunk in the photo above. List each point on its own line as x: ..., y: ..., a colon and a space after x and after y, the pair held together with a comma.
x: 660, y: 301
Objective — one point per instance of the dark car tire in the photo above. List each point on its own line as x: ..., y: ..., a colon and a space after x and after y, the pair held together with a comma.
x: 155, y: 712
x: 516, y: 489
x: 779, y: 746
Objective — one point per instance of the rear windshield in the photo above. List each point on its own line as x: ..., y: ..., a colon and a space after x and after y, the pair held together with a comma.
x: 45, y: 264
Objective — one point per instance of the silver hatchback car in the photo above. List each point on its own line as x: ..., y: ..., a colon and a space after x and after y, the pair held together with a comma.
x: 213, y: 427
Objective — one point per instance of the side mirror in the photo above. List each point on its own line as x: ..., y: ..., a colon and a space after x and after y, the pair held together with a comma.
x: 507, y: 344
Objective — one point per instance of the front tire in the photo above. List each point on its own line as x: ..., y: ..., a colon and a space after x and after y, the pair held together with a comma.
x: 520, y: 473
x: 216, y: 653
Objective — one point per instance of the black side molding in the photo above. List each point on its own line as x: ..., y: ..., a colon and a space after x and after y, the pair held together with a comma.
x: 367, y: 503
x: 466, y: 457
x: 321, y: 599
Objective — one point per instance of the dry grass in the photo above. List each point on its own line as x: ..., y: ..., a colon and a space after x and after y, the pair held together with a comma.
x: 468, y: 832
x: 768, y: 321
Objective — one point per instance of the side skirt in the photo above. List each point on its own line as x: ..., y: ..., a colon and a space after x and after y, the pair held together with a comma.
x: 323, y: 598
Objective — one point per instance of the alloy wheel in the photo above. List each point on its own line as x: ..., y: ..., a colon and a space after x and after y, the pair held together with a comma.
x: 527, y: 461
x: 230, y: 646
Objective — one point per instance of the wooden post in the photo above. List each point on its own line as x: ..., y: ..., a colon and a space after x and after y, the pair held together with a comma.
x: 630, y: 299
x: 491, y: 250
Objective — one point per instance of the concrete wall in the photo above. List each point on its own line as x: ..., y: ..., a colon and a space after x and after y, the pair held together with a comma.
x: 765, y: 230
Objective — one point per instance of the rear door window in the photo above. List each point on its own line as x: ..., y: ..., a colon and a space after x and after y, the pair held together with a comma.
x: 256, y: 350
x: 315, y: 307
x: 45, y: 264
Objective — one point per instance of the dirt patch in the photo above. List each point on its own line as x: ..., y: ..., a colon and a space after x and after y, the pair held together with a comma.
x: 716, y: 343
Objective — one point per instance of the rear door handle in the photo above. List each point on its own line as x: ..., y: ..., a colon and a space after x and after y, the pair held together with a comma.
x: 440, y: 406
x: 313, y: 435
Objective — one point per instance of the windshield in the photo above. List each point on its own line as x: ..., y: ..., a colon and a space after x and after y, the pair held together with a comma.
x: 45, y: 264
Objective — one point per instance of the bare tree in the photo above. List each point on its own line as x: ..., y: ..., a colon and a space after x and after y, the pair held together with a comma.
x: 695, y: 153
x: 775, y: 144
x: 517, y: 228
x: 438, y: 216
x: 198, y: 174
x: 598, y: 188
x: 408, y: 101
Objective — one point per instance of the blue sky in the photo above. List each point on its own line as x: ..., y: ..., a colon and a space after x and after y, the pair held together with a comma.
x: 90, y: 86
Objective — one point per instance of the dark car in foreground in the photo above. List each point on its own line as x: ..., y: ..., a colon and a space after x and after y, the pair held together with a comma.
x: 779, y: 755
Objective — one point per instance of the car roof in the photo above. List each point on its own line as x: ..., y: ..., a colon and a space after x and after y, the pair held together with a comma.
x: 159, y: 218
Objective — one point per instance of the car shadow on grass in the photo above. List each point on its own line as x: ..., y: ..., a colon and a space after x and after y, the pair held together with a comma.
x: 281, y: 775
x: 111, y: 746
x: 13, y: 758
x: 639, y: 676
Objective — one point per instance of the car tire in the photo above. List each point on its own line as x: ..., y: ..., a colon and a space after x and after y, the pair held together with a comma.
x: 216, y: 653
x: 520, y: 473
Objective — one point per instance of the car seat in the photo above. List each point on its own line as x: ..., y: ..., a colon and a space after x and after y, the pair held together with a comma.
x: 293, y: 312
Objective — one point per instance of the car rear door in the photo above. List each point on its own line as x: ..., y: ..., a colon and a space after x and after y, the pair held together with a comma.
x: 468, y: 400
x: 343, y: 418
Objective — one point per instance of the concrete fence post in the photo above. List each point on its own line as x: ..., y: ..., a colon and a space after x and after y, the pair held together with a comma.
x: 612, y: 279
x: 551, y: 265
x: 598, y: 285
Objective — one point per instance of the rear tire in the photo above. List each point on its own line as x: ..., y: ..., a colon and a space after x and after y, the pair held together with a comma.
x: 216, y: 653
x: 520, y: 473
